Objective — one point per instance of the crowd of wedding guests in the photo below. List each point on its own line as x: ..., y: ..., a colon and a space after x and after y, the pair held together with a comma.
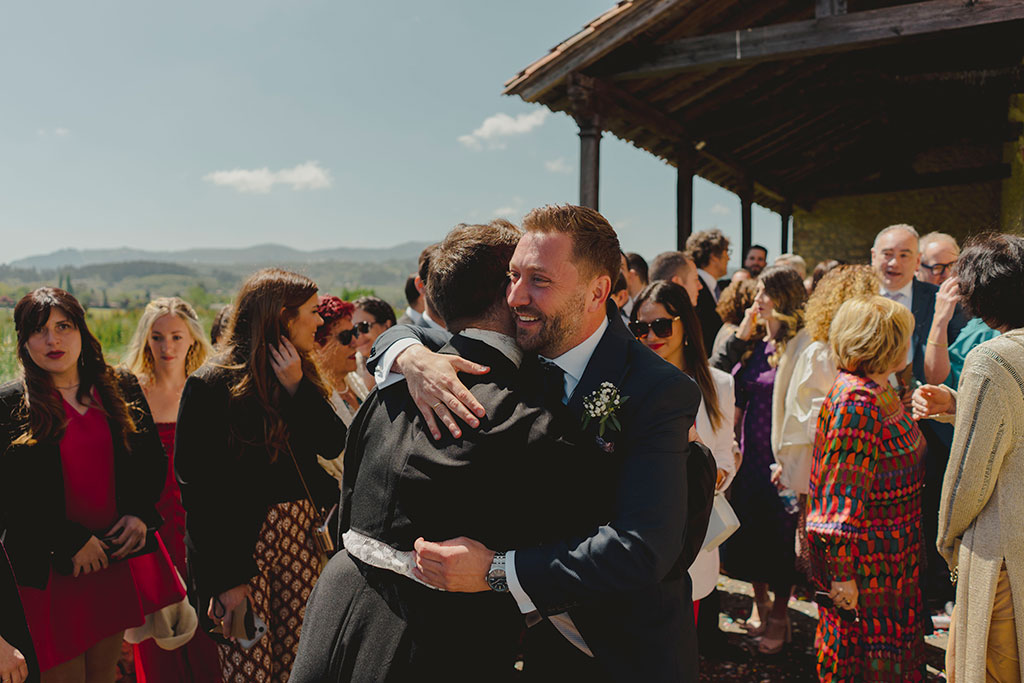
x: 865, y: 424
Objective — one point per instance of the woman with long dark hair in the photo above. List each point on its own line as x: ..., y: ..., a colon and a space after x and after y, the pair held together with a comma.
x: 251, y: 424
x: 665, y: 321
x: 81, y: 469
x: 763, y: 551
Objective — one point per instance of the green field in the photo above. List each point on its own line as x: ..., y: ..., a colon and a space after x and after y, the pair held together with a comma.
x: 112, y: 326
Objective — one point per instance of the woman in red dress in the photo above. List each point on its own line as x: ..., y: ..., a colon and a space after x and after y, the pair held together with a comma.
x: 81, y: 468
x: 169, y: 345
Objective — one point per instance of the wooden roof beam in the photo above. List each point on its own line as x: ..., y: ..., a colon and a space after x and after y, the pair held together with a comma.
x: 823, y: 35
x: 622, y: 104
x: 960, y: 176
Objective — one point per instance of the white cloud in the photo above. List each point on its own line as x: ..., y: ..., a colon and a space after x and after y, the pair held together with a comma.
x: 307, y: 176
x: 495, y: 128
x: 61, y: 132
x: 506, y: 212
x: 558, y: 165
x: 721, y: 210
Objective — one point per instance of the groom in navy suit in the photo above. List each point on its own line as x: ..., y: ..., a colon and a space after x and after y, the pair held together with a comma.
x: 614, y: 604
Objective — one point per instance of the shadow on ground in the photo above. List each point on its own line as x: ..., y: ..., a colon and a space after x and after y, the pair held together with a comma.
x: 739, y: 659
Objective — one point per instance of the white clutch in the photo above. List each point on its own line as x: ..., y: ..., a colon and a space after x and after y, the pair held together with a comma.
x: 722, y: 525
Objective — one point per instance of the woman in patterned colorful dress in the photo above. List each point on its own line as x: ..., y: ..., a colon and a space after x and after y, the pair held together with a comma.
x: 762, y: 550
x: 169, y: 345
x: 252, y: 422
x: 864, y: 515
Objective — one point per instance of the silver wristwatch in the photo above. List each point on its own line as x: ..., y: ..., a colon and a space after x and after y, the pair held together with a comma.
x: 496, y: 576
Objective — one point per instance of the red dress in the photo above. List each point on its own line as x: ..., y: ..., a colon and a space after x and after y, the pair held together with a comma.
x: 197, y: 661
x: 71, y: 615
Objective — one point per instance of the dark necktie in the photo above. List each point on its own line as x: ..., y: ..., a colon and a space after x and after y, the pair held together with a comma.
x: 554, y: 381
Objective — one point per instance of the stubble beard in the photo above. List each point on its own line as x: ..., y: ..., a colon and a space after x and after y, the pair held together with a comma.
x: 556, y: 330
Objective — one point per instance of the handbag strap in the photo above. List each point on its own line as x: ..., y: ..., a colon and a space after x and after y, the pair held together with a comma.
x: 309, y: 496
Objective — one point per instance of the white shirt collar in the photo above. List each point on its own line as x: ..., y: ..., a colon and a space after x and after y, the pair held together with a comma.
x: 709, y: 281
x: 906, y: 293
x: 430, y: 322
x: 502, y: 342
x: 574, y: 361
x: 415, y: 316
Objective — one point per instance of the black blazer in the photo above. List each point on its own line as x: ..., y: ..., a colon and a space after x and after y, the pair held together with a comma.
x: 710, y: 321
x: 624, y: 581
x: 923, y: 308
x: 13, y: 628
x: 227, y: 486
x: 32, y: 514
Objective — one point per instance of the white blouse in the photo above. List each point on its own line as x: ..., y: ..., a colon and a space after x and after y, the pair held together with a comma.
x: 704, y: 570
x: 814, y: 373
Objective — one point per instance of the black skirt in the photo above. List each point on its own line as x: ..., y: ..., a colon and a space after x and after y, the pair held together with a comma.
x: 369, y: 624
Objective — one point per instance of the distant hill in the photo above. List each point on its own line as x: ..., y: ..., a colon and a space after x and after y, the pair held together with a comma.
x: 262, y: 254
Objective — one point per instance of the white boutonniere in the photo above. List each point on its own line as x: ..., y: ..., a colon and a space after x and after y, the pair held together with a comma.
x: 603, y: 405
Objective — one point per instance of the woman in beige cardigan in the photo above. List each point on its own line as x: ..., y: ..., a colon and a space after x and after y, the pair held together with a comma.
x: 981, y: 502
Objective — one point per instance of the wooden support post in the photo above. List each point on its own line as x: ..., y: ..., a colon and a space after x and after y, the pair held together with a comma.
x: 829, y: 8
x: 685, y: 164
x: 585, y: 111
x: 746, y: 204
x: 784, y: 216
x: 590, y: 160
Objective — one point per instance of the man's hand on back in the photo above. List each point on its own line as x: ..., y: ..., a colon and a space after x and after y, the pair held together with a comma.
x: 458, y: 565
x: 436, y: 390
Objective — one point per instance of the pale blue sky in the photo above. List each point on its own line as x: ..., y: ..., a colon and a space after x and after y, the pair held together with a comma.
x: 116, y: 117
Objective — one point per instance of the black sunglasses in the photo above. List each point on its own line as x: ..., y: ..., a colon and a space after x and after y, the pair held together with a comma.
x: 939, y: 268
x: 662, y: 327
x: 345, y: 336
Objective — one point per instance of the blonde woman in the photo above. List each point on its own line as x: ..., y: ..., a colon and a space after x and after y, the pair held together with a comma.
x: 864, y: 506
x: 168, y: 345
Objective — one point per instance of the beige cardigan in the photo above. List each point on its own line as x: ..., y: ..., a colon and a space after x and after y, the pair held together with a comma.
x: 981, y: 501
x: 790, y: 442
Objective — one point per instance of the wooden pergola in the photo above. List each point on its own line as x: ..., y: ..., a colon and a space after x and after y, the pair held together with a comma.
x: 788, y: 103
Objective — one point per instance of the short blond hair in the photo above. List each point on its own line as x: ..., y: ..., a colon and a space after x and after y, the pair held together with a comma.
x: 139, y: 359
x: 869, y: 334
x: 925, y: 240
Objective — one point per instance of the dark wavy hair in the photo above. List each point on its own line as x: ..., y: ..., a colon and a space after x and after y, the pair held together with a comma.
x: 991, y: 278
x: 258, y: 321
x: 381, y: 310
x: 42, y: 405
x: 695, y: 358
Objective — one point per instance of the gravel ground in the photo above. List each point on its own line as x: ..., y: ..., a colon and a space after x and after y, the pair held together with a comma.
x: 740, y: 660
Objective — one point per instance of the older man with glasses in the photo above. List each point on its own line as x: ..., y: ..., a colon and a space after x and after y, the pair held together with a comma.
x: 939, y: 253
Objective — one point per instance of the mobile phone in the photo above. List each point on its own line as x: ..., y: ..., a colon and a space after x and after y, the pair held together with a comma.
x: 825, y: 600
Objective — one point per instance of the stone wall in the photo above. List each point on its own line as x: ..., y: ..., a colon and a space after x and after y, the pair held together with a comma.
x: 845, y: 227
x: 1013, y: 187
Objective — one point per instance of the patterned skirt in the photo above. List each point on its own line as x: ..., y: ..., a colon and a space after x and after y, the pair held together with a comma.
x: 289, y: 566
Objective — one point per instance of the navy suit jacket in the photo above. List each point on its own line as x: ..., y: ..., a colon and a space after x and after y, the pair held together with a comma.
x: 923, y: 308
x: 624, y: 583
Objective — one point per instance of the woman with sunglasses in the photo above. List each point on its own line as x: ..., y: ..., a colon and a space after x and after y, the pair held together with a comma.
x: 337, y: 341
x: 252, y: 422
x: 371, y: 317
x: 763, y: 550
x: 664, y: 321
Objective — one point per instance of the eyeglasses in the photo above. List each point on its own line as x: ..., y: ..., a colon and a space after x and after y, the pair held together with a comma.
x: 662, y: 327
x: 939, y: 268
x: 345, y: 336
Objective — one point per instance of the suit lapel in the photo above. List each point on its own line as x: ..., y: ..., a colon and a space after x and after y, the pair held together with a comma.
x: 608, y: 364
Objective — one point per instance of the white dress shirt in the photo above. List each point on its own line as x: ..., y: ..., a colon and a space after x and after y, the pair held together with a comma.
x: 709, y: 282
x: 415, y: 316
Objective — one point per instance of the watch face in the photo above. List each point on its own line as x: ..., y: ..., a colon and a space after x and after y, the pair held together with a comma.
x: 497, y: 581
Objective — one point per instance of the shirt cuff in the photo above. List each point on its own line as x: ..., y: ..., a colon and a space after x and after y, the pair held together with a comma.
x: 383, y: 375
x: 514, y: 587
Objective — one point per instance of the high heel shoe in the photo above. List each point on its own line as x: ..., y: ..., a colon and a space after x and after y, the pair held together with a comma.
x: 777, y: 634
x: 758, y: 621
